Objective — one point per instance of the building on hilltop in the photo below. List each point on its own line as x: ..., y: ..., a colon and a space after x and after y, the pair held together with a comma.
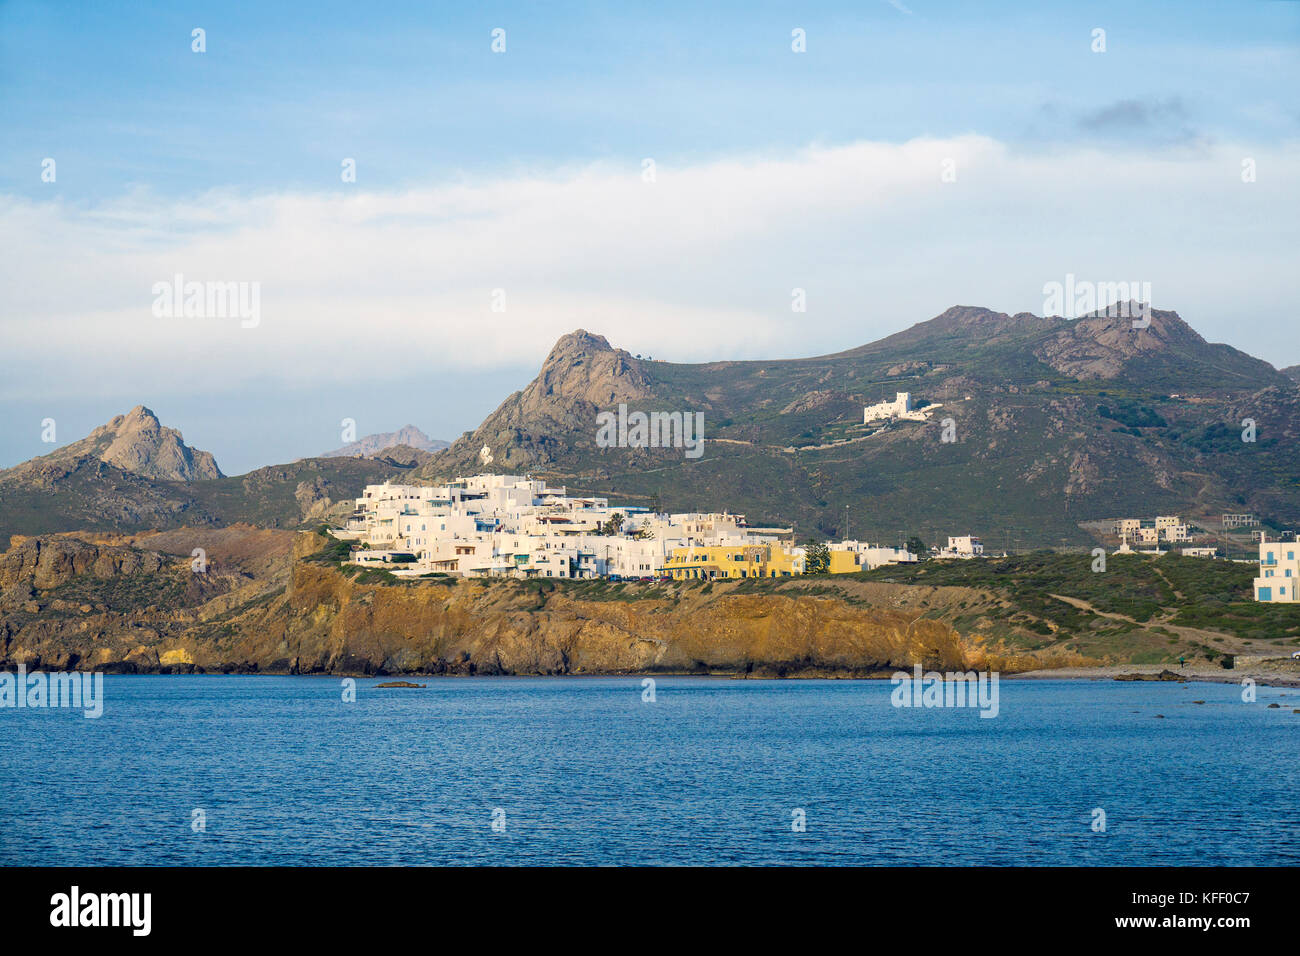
x: 899, y: 408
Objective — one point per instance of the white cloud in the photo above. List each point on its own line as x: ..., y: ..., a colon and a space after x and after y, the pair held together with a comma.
x: 360, y: 287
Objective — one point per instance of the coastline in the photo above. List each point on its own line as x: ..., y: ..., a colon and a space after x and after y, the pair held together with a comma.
x: 1282, y: 676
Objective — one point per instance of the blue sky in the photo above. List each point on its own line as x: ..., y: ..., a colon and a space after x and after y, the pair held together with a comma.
x: 168, y: 160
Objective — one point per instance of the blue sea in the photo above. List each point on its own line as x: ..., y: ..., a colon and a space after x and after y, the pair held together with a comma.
x: 534, y: 771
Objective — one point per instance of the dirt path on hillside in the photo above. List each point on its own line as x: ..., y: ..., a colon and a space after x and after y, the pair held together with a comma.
x: 1191, y: 633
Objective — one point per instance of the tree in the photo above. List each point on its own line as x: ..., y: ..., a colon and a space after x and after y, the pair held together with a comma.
x: 817, y: 557
x: 917, y: 546
x: 614, y: 524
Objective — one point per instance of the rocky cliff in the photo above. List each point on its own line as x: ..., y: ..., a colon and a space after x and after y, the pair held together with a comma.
x: 117, y: 605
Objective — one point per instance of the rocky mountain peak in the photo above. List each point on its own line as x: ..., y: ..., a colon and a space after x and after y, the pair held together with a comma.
x: 583, y: 367
x: 1101, y: 344
x: 139, y: 443
x: 582, y: 374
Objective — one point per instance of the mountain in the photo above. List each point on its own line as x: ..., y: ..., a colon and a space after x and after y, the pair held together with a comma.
x: 132, y: 473
x: 139, y: 444
x: 370, y: 445
x: 1292, y: 372
x: 1055, y: 422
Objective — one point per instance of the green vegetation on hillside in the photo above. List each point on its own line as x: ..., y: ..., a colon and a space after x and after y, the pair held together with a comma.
x: 1170, y: 590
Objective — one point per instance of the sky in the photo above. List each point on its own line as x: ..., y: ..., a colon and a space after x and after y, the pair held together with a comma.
x: 664, y: 174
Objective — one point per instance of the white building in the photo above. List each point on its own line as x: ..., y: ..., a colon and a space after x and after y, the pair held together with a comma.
x: 872, y: 556
x: 900, y: 407
x: 513, y: 526
x: 1240, y: 521
x: 1279, y: 572
x: 966, y: 546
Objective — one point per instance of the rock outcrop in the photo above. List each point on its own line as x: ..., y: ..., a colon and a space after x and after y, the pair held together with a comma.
x: 582, y: 375
x: 1105, y: 345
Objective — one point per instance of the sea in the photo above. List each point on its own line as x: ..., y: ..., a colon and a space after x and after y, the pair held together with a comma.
x: 256, y: 770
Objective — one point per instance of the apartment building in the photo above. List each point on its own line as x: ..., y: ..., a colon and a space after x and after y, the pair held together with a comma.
x: 1152, y: 531
x: 711, y: 562
x: 1279, y: 572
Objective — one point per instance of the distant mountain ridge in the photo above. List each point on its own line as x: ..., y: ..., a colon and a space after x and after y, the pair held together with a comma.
x: 1055, y: 421
x: 408, y: 436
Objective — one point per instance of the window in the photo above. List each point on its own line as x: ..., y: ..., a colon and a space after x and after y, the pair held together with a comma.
x: 1266, y: 594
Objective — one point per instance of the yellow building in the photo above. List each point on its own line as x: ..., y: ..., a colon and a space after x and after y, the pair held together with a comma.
x: 733, y: 561
x: 844, y: 562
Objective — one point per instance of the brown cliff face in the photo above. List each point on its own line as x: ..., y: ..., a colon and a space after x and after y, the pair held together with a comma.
x: 297, y: 614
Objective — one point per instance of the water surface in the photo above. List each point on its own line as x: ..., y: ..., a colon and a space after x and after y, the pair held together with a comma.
x: 585, y: 772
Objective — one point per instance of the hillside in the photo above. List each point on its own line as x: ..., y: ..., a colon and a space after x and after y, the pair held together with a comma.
x: 1055, y: 422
